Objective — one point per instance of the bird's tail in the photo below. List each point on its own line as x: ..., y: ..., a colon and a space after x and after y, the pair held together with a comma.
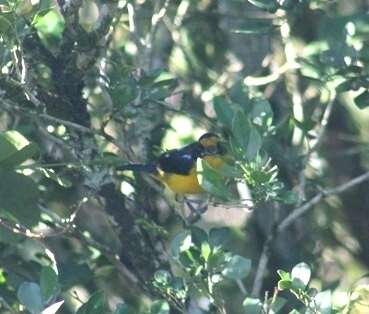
x: 151, y: 168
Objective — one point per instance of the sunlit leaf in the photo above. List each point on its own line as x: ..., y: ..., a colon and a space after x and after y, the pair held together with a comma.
x: 302, y: 273
x: 53, y: 308
x: 50, y: 23
x: 180, y: 243
x: 160, y: 307
x: 252, y: 306
x: 15, y: 149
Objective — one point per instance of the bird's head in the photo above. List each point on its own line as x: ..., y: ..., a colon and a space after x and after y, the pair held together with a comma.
x: 211, y: 144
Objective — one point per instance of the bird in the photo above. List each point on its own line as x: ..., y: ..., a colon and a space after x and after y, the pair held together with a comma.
x: 176, y: 168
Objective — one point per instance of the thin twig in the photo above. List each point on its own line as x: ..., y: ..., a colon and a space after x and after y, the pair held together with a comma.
x: 293, y: 216
x: 10, y: 106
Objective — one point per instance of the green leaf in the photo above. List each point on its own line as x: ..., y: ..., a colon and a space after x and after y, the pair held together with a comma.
x: 224, y: 111
x: 211, y: 181
x: 29, y: 294
x: 267, y: 5
x: 346, y: 85
x: 277, y: 305
x: 162, y: 277
x: 239, y: 94
x: 284, y: 284
x: 261, y: 113
x: 15, y: 149
x: 254, y: 143
x: 72, y: 273
x: 362, y: 101
x: 297, y: 284
x: 237, y: 267
x: 219, y: 236
x: 205, y: 250
x: 241, y: 130
x: 50, y: 23
x: 124, y: 93
x: 53, y: 308
x: 323, y: 302
x: 198, y: 236
x: 19, y: 197
x: 95, y: 305
x: 284, y: 275
x: 7, y: 22
x: 302, y: 273
x: 181, y: 242
x: 122, y: 309
x: 252, y: 306
x: 160, y: 307
x: 217, y: 260
x: 49, y: 284
x: 255, y: 26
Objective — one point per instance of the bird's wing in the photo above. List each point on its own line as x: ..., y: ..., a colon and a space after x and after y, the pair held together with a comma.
x: 177, y: 161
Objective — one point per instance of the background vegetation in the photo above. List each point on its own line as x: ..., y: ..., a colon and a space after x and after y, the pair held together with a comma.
x: 86, y: 86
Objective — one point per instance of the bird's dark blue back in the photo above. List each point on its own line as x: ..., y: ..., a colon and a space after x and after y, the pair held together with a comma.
x: 180, y: 161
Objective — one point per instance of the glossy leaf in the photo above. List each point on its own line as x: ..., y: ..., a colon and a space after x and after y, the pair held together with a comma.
x: 15, y: 149
x: 302, y: 273
x: 241, y: 130
x: 181, y: 242
x: 237, y: 267
x: 224, y: 111
x: 219, y: 236
x: 252, y: 306
x: 95, y: 305
x: 362, y: 101
x: 254, y: 143
x: 49, y: 284
x: 20, y: 202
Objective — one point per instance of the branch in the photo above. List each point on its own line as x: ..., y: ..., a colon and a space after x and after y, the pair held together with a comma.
x: 67, y: 225
x: 293, y: 216
x: 10, y: 106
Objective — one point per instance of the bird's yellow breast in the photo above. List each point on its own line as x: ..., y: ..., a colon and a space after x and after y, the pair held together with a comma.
x: 215, y: 162
x: 182, y: 184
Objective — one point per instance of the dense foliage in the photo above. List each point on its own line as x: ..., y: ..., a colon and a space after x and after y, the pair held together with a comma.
x: 87, y: 86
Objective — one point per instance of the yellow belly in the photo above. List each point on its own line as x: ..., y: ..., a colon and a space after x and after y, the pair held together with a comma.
x: 188, y: 184
x: 182, y: 184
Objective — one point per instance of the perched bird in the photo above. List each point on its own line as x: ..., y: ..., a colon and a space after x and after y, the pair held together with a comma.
x: 177, y: 168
